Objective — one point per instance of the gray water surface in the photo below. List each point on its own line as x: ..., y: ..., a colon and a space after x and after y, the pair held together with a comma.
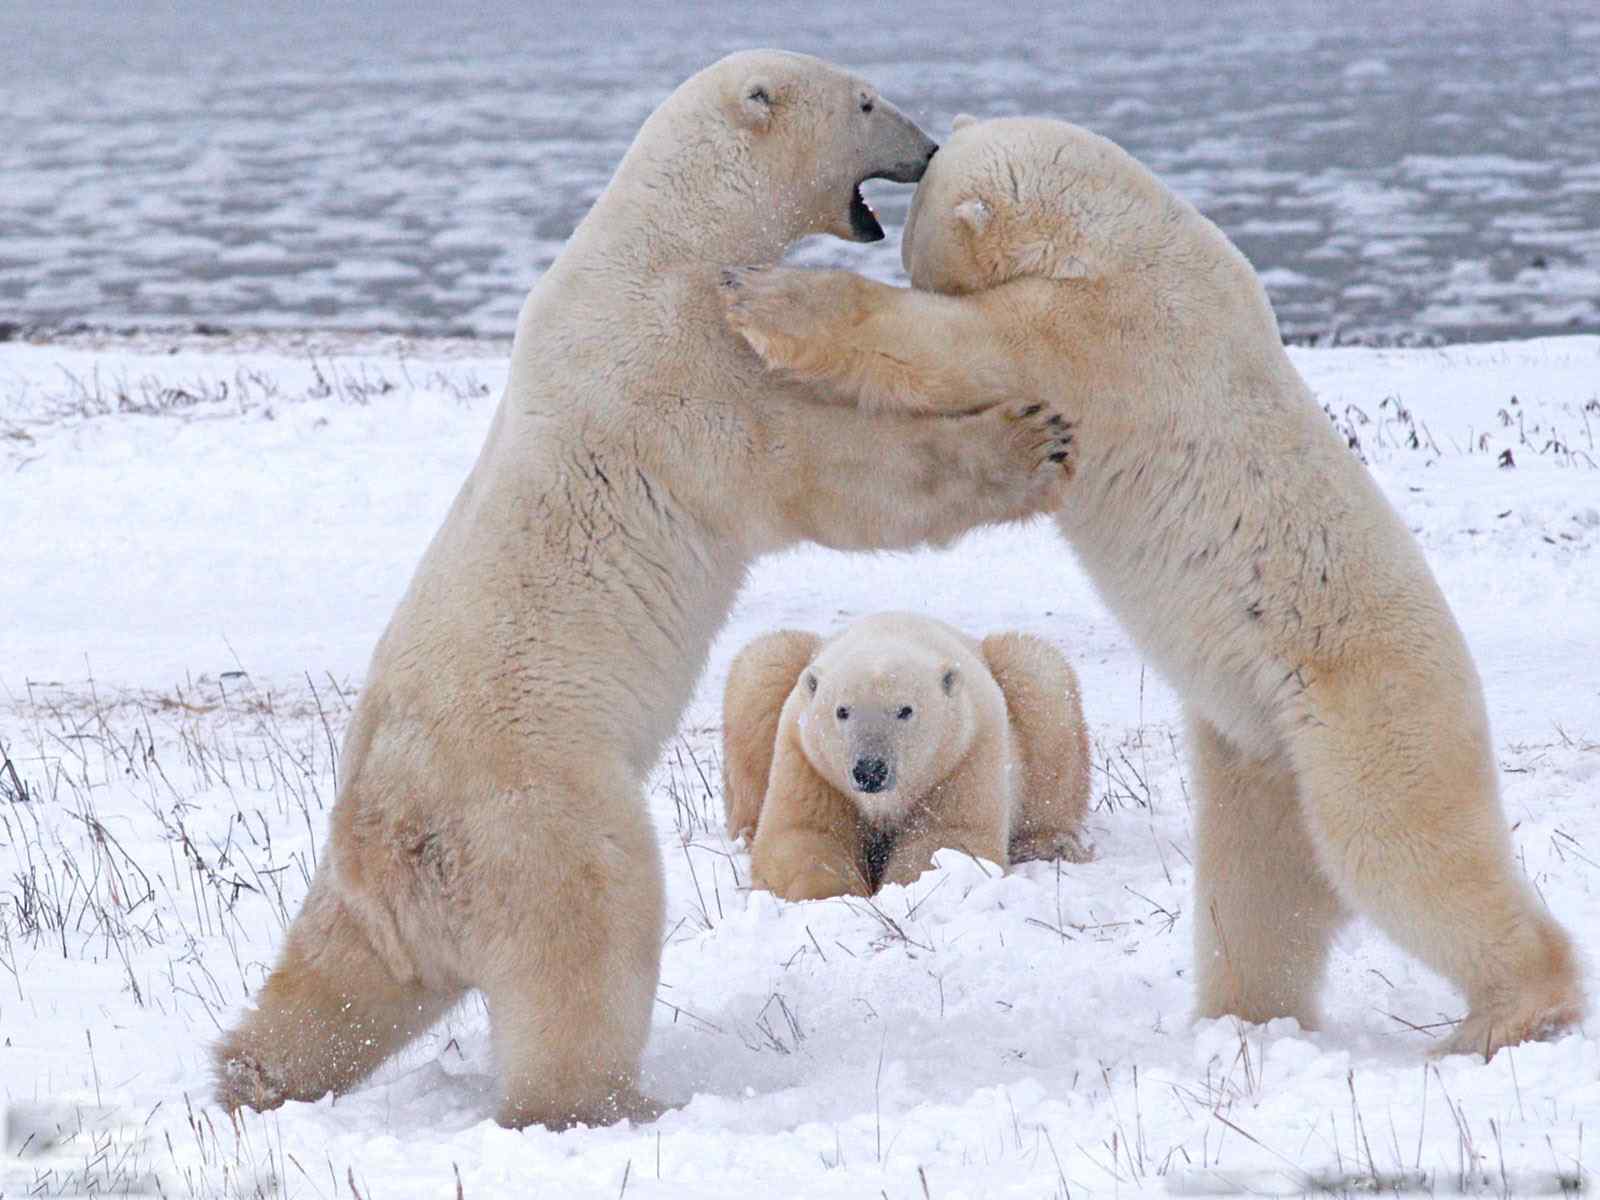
x: 1396, y: 170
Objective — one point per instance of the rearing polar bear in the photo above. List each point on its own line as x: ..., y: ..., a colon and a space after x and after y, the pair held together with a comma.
x: 1336, y: 720
x: 490, y: 829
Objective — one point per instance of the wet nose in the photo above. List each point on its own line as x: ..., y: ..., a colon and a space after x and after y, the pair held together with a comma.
x: 870, y: 774
x: 932, y: 150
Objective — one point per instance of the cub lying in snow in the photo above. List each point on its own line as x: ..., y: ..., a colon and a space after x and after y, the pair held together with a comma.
x: 853, y: 760
x: 1341, y: 752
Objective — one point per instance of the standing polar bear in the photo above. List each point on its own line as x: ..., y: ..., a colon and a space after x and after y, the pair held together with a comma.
x: 490, y: 829
x: 852, y: 760
x: 1336, y: 721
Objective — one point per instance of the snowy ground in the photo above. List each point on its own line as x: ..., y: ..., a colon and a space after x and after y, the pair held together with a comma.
x: 200, y: 548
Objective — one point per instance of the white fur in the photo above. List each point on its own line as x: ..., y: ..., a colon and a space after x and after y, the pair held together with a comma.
x: 896, y: 737
x: 490, y: 830
x: 1342, y: 754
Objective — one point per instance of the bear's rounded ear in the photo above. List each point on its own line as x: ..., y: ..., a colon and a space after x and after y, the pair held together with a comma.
x: 948, y: 683
x: 811, y: 684
x: 962, y: 121
x: 974, y: 214
x: 752, y: 103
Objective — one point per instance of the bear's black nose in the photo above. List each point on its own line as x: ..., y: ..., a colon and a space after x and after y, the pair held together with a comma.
x: 870, y: 774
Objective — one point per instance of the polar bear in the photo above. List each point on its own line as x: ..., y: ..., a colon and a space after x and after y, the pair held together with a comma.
x: 1336, y: 720
x: 851, y: 761
x: 490, y: 829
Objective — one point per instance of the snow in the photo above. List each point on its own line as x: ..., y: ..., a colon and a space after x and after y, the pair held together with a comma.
x: 203, y: 541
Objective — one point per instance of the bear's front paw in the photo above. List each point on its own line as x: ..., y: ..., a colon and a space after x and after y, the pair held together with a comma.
x: 791, y: 318
x: 1042, y: 445
x: 1045, y: 847
x: 819, y: 883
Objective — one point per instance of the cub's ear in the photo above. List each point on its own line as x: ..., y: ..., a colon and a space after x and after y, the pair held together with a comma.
x: 948, y: 683
x: 974, y: 214
x: 962, y: 121
x: 751, y: 105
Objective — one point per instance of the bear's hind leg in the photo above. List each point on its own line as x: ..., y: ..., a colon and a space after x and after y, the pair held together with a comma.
x: 1264, y: 913
x: 571, y: 978
x: 1401, y: 792
x: 330, y: 1012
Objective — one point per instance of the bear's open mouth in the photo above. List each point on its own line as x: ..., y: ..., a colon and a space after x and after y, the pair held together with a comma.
x: 863, y: 221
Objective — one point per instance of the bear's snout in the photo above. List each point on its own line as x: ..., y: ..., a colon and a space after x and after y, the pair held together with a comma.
x: 870, y: 774
x: 912, y: 169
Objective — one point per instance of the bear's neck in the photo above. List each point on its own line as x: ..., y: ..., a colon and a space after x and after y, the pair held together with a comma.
x: 686, y: 200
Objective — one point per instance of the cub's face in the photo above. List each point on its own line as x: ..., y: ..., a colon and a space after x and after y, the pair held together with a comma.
x: 817, y: 133
x: 1009, y: 198
x: 884, y: 730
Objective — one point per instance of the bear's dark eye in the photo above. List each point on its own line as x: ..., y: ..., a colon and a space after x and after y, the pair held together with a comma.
x: 866, y: 106
x: 904, y: 714
x: 811, y: 684
x: 842, y: 713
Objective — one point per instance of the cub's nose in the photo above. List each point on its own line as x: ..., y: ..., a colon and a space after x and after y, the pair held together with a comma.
x: 932, y: 150
x: 870, y: 774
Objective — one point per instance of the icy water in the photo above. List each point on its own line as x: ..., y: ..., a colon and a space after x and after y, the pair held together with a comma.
x: 1394, y: 170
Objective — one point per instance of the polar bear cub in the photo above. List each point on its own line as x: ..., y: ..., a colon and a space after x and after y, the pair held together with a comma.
x: 852, y: 760
x: 1341, y: 750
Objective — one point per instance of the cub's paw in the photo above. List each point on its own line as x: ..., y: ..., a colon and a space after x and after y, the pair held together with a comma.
x: 818, y: 883
x: 1046, y: 847
x: 792, y: 318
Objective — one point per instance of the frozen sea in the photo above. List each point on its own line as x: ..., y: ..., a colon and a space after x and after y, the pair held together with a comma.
x: 1409, y: 170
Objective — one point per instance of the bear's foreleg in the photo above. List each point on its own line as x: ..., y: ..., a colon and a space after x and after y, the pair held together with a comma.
x: 969, y: 811
x: 894, y: 349
x: 852, y: 480
x: 810, y: 842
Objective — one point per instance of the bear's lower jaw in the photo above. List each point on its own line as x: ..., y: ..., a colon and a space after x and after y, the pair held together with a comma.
x: 864, y: 226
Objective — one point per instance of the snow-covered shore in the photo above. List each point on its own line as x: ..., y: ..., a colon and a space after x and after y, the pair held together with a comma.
x: 202, y: 542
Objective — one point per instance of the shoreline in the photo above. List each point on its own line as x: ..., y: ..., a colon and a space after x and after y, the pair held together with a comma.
x: 244, y: 339
x: 207, y: 335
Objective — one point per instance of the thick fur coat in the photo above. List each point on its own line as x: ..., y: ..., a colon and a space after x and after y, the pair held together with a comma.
x: 490, y: 830
x: 849, y: 761
x: 1341, y: 750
